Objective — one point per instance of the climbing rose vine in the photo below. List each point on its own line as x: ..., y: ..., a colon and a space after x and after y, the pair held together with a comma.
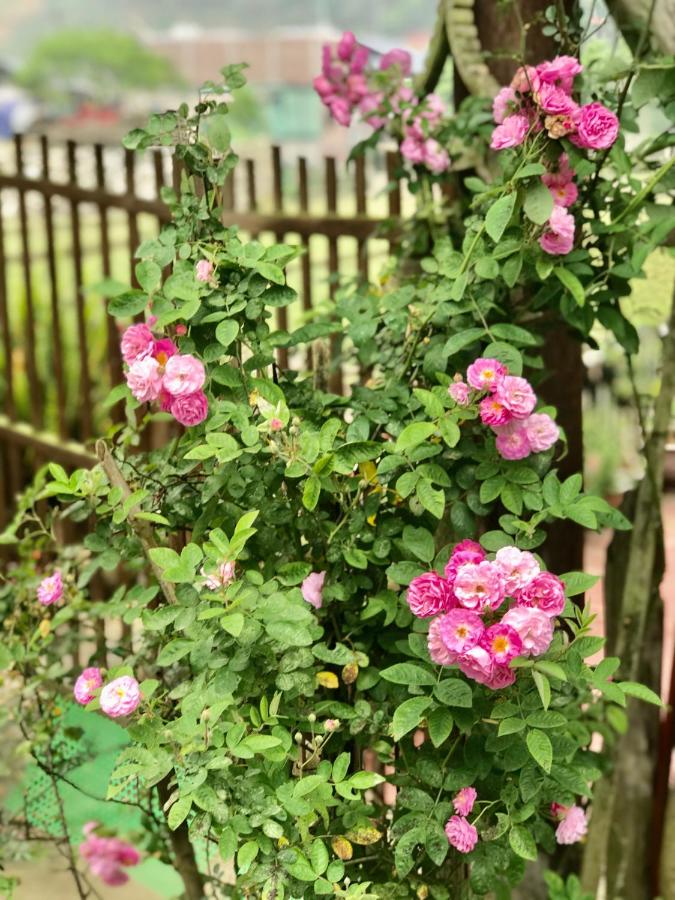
x: 345, y: 668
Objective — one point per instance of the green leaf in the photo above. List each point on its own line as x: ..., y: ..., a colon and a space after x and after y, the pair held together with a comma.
x: 349, y: 455
x: 462, y: 339
x: 233, y: 623
x: 420, y: 542
x: 553, y: 669
x: 173, y: 651
x: 226, y: 332
x: 149, y: 275
x: 412, y: 435
x: 512, y: 725
x: 216, y: 131
x: 363, y: 781
x: 634, y: 689
x: 128, y: 304
x: 178, y: 812
x: 529, y: 170
x: 543, y: 686
x: 546, y: 719
x: 318, y: 856
x: 431, y: 498
x: 449, y: 431
x: 311, y: 492
x: 247, y: 853
x: 541, y: 749
x: 440, y: 724
x: 408, y: 716
x: 340, y: 767
x: 570, y: 281
x: 538, y: 204
x: 498, y: 216
x: 522, y: 843
x: 454, y: 692
x: 408, y: 673
x: 507, y: 354
x: 578, y: 582
x: 404, y: 854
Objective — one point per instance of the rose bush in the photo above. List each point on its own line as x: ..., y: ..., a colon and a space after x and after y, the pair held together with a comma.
x: 312, y: 581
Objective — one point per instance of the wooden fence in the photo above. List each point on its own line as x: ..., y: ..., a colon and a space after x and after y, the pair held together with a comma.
x: 72, y: 214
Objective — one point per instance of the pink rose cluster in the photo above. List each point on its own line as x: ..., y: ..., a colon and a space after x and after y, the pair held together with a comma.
x: 540, y: 98
x: 108, y: 856
x: 383, y: 99
x: 505, y: 403
x: 467, y: 631
x: 120, y: 697
x: 157, y: 371
x: 461, y: 834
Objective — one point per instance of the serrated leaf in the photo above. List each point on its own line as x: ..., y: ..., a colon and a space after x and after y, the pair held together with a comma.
x: 226, y: 332
x: 179, y: 812
x: 498, y: 216
x: 543, y: 687
x: 408, y: 716
x: 571, y: 283
x: 408, y: 673
x: 541, y: 749
x: 454, y: 692
x: 413, y: 435
x: 439, y: 723
x: 538, y: 204
x: 634, y: 689
x: 522, y: 843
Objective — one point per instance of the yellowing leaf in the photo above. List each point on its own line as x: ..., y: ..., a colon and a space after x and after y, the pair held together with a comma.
x: 44, y: 628
x: 368, y: 471
x: 342, y: 848
x: 364, y: 835
x: 350, y: 673
x: 328, y: 680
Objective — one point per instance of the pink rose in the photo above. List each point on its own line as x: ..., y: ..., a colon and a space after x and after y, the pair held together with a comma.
x: 436, y: 157
x: 145, y: 379
x: 412, y: 149
x: 479, y: 586
x: 461, y: 834
x: 597, y: 127
x: 433, y: 109
x: 136, y: 342
x: 220, y: 577
x: 511, y: 133
x: 181, y: 330
x: 554, y: 101
x: 560, y: 71
x: 542, y: 432
x: 558, y: 239
x: 559, y: 126
x: 572, y: 827
x: 397, y: 57
x: 163, y: 349
x: 477, y: 664
x: 312, y: 589
x: 504, y: 104
x: 459, y: 391
x: 341, y: 111
x: 492, y: 412
x: 106, y: 856
x: 502, y: 676
x: 502, y: 642
x: 87, y: 684
x: 428, y: 595
x: 466, y: 551
x: 204, y: 270
x: 120, y: 697
x: 190, y: 409
x: 525, y: 80
x: 484, y: 374
x: 346, y: 46
x: 545, y: 592
x: 563, y: 191
x: 183, y: 374
x: 460, y: 630
x: 515, y: 394
x: 368, y: 105
x: 464, y: 800
x: 50, y: 589
x: 534, y: 627
x: 518, y: 567
x: 438, y: 651
x: 511, y: 441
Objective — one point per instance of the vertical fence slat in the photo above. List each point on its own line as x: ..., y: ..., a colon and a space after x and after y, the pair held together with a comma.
x: 251, y: 192
x: 394, y: 186
x: 57, y: 343
x: 305, y: 259
x: 361, y: 210
x: 10, y: 460
x: 114, y: 355
x: 35, y: 388
x: 333, y: 262
x: 278, y: 200
x: 132, y: 217
x: 80, y: 311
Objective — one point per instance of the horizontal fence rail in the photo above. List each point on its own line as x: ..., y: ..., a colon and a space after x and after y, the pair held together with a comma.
x: 72, y: 214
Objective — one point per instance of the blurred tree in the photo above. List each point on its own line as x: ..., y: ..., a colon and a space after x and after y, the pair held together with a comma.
x: 102, y: 64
